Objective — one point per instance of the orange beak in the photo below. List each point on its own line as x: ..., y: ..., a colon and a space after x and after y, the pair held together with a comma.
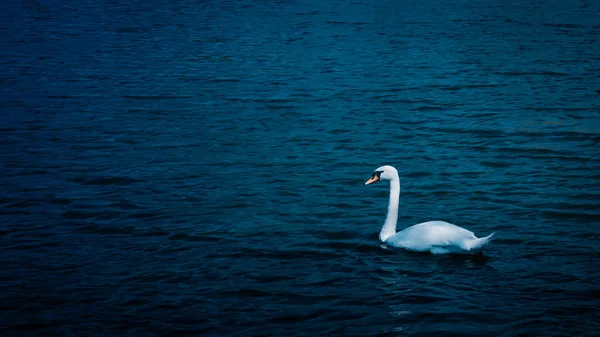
x: 373, y: 179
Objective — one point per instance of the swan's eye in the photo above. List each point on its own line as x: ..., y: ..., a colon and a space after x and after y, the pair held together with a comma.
x: 377, y: 174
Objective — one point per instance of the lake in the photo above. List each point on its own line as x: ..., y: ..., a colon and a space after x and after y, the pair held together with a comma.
x: 174, y: 168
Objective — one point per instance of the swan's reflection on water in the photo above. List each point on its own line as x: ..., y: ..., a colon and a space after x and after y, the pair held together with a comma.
x: 422, y: 290
x: 481, y: 258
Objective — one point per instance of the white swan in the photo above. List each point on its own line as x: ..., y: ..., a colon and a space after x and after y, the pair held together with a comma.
x: 437, y: 237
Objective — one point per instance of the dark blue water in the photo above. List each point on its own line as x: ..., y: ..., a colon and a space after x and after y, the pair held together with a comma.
x: 196, y: 168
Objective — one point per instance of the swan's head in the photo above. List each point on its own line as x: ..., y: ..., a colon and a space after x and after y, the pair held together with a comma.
x: 383, y: 173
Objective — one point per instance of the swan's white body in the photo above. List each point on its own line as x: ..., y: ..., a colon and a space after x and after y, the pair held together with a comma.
x: 437, y: 237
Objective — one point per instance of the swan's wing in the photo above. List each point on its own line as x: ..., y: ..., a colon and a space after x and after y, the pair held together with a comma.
x: 441, y: 233
x: 427, y: 235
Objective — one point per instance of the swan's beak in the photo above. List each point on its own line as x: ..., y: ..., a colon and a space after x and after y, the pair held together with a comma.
x: 373, y: 179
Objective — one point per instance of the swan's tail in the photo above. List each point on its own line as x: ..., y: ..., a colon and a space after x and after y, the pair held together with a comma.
x: 479, y: 243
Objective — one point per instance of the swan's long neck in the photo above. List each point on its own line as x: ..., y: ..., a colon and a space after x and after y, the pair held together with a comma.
x: 389, y: 228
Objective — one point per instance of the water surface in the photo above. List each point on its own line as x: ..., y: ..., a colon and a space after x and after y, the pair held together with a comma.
x: 183, y: 168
